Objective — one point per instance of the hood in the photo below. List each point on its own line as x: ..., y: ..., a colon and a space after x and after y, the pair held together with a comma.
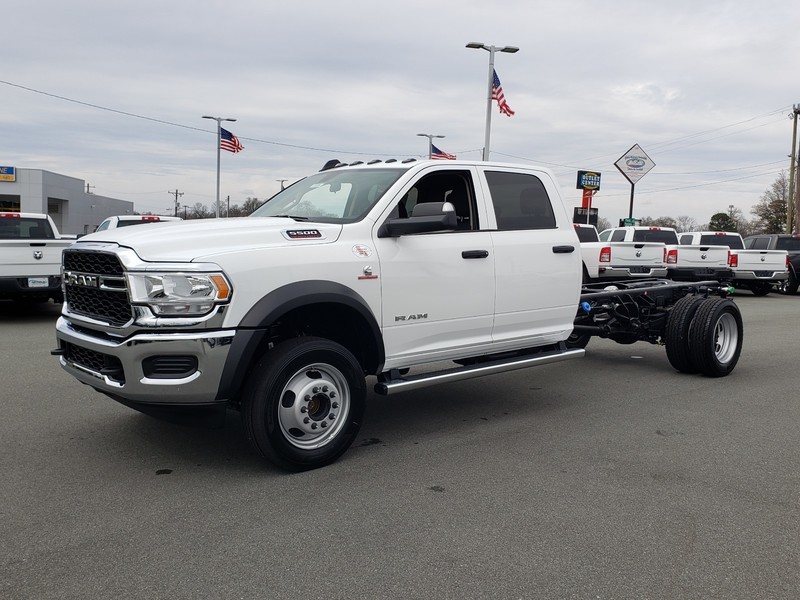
x: 185, y: 241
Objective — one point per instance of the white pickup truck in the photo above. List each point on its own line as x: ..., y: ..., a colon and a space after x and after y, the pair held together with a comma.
x: 616, y: 259
x: 365, y: 270
x: 695, y: 262
x: 30, y: 257
x: 756, y: 270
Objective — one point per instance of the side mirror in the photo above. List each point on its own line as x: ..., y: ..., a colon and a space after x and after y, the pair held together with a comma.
x: 426, y: 218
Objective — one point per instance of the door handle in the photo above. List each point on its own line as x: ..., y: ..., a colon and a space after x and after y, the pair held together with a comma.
x: 475, y: 254
x: 563, y: 249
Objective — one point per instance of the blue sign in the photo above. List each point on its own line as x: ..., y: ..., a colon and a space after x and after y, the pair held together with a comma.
x: 588, y: 180
x: 8, y: 174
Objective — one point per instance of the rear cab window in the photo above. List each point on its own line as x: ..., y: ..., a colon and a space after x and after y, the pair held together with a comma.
x: 520, y: 201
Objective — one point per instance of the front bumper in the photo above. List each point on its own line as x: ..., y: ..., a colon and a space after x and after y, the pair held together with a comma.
x: 147, y: 368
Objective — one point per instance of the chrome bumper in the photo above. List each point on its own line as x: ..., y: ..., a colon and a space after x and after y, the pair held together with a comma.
x: 200, y: 386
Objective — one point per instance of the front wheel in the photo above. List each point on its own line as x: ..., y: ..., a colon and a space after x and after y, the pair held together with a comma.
x: 715, y: 337
x: 303, y: 403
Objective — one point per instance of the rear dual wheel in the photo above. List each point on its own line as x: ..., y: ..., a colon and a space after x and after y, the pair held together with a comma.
x: 704, y: 335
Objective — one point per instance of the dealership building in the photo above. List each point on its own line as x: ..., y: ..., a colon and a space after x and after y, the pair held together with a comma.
x: 66, y: 199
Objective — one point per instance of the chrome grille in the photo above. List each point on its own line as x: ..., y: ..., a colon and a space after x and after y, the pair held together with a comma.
x: 94, y: 286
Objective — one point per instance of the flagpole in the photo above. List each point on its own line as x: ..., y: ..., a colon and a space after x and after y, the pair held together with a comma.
x: 219, y: 137
x: 491, y: 50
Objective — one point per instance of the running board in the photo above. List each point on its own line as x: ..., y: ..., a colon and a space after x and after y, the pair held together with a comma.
x: 404, y: 384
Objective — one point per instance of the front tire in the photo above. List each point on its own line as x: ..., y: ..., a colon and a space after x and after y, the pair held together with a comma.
x: 303, y: 403
x: 715, y: 337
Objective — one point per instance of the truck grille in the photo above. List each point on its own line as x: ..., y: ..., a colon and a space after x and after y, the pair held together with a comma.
x: 98, y: 362
x: 94, y: 286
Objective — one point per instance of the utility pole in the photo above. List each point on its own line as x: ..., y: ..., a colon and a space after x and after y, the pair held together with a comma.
x: 228, y: 211
x: 177, y: 194
x: 282, y: 181
x: 87, y: 188
x: 791, y: 201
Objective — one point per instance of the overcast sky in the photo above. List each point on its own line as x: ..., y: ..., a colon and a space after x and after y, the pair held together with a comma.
x: 113, y: 93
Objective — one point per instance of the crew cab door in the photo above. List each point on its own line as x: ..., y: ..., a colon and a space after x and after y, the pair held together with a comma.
x: 537, y: 257
x: 437, y: 288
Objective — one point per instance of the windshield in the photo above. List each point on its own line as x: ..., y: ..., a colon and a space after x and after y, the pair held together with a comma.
x: 14, y: 227
x: 331, y: 196
x: 733, y: 242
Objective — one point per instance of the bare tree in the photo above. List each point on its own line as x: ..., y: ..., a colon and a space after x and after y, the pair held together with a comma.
x: 685, y: 223
x: 199, y: 211
x: 770, y: 210
x: 659, y: 222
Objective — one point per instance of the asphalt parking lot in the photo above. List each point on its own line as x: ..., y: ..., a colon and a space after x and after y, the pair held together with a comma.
x: 608, y: 477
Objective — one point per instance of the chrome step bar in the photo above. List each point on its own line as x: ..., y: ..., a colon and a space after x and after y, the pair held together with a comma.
x: 404, y: 384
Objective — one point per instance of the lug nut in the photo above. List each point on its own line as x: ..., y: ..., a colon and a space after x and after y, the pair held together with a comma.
x: 324, y: 388
x: 313, y: 426
x: 331, y: 416
x: 306, y: 420
x: 333, y: 394
x: 315, y: 390
x: 323, y: 424
x: 303, y: 409
x: 335, y: 405
x: 307, y: 398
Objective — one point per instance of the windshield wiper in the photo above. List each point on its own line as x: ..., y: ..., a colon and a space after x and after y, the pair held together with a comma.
x: 295, y: 217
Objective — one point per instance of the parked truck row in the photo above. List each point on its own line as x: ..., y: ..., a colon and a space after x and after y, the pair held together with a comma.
x: 640, y: 252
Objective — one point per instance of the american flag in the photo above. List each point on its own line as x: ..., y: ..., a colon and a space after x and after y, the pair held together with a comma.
x: 497, y: 94
x: 229, y: 142
x: 439, y: 155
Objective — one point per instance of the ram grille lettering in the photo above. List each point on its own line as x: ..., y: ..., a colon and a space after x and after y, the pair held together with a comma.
x: 81, y: 280
x: 417, y: 317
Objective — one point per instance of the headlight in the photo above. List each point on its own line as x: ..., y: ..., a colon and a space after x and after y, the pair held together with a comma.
x: 177, y: 294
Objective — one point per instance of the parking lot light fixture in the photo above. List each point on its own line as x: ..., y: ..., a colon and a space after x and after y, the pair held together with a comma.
x: 430, y: 137
x: 492, y: 50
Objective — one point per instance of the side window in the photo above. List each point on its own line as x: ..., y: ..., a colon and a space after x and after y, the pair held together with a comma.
x: 760, y: 243
x: 455, y: 187
x: 520, y: 201
x: 103, y: 225
x: 618, y: 235
x: 604, y: 235
x: 686, y: 240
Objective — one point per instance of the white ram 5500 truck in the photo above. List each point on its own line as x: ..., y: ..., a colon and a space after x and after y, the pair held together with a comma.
x: 356, y: 271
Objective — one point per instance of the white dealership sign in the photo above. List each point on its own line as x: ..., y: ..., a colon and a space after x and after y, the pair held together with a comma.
x: 634, y: 164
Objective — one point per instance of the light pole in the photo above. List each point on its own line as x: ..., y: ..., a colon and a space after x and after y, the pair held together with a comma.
x: 430, y: 137
x: 491, y: 50
x: 219, y: 135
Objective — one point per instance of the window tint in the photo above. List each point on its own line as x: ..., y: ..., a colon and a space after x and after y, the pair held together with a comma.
x: 604, y: 235
x: 665, y: 236
x: 586, y: 234
x: 792, y: 244
x: 24, y: 228
x: 686, y: 239
x: 759, y: 243
x: 618, y: 236
x: 520, y: 201
x: 732, y: 241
